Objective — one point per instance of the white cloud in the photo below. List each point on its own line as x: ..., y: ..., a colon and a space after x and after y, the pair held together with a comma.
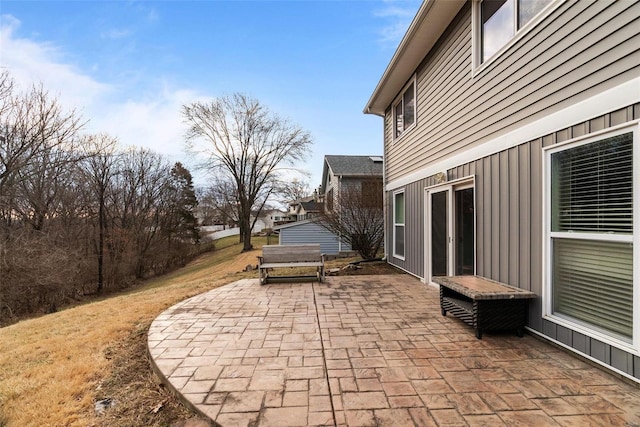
x: 152, y: 121
x: 153, y: 15
x: 31, y: 63
x: 116, y: 33
x: 398, y: 16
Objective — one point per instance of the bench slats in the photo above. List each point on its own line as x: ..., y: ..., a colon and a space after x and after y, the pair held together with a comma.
x: 291, y: 253
x: 276, y: 256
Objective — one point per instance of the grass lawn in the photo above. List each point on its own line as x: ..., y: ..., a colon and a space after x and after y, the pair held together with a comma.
x: 55, y: 367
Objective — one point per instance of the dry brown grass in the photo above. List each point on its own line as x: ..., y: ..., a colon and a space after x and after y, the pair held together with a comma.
x: 53, y: 367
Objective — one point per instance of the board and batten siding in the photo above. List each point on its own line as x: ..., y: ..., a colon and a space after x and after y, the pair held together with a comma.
x: 509, y: 234
x: 414, y: 227
x: 581, y: 49
x: 311, y: 232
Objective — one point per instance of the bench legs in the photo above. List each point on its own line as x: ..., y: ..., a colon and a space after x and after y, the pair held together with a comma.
x: 485, y: 315
x: 264, y: 275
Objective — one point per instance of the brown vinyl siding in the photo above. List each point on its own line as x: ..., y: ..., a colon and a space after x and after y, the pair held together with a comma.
x: 581, y: 49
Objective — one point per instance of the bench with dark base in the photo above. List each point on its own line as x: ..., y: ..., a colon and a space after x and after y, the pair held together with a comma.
x: 484, y: 304
x: 277, y: 256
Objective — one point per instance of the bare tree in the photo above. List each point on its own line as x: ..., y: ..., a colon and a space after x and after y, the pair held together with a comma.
x: 138, y: 204
x: 247, y: 144
x: 31, y: 123
x: 69, y: 202
x: 207, y: 210
x: 97, y: 172
x: 295, y: 189
x: 40, y: 184
x: 357, y: 215
x: 221, y: 197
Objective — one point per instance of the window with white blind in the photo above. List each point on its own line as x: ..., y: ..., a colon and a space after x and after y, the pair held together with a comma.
x: 590, y: 237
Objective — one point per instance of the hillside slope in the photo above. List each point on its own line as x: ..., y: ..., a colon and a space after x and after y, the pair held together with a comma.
x: 56, y: 366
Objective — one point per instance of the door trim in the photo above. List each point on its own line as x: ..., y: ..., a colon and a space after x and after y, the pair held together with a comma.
x: 451, y: 186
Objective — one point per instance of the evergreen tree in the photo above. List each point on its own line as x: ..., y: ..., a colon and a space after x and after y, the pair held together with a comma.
x: 181, y: 223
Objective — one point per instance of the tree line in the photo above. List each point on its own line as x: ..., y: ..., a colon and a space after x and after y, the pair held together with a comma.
x: 80, y: 214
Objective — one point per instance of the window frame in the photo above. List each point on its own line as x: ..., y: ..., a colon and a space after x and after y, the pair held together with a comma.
x: 397, y: 224
x: 632, y: 345
x: 400, y: 100
x: 329, y: 200
x: 476, y: 28
x: 371, y: 192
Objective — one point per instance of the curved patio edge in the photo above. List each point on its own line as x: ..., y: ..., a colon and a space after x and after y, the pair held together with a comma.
x: 367, y: 350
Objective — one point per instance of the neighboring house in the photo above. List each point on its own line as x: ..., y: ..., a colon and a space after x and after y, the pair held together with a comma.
x: 303, y: 209
x: 308, y: 231
x: 339, y: 172
x: 308, y: 210
x: 274, y: 217
x: 512, y: 151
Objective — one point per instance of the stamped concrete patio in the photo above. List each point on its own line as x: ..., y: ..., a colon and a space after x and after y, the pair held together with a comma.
x: 369, y: 351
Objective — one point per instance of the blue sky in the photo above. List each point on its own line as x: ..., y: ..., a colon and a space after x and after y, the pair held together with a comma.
x: 128, y: 66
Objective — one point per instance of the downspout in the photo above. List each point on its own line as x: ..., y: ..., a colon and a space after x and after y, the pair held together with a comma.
x: 339, y: 188
x: 384, y: 181
x: 384, y: 188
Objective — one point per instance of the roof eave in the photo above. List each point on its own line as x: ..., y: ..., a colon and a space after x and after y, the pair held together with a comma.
x: 430, y: 22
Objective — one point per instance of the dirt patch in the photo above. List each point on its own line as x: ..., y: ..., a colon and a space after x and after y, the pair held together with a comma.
x: 365, y: 268
x: 138, y: 397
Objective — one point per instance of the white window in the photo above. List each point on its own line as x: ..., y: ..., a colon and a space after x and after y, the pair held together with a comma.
x: 404, y: 110
x: 592, y: 278
x: 398, y: 225
x: 497, y: 22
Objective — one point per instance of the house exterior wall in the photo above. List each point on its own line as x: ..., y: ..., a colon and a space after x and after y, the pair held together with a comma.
x: 556, y: 74
x: 329, y: 187
x: 580, y: 49
x: 509, y: 230
x: 414, y: 224
x: 310, y: 232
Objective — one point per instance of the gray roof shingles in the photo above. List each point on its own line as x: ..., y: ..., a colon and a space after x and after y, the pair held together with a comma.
x: 354, y: 165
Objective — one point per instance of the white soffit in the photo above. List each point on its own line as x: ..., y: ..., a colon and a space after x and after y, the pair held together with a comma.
x: 430, y: 22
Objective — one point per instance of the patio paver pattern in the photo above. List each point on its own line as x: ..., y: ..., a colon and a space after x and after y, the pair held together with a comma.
x: 369, y: 351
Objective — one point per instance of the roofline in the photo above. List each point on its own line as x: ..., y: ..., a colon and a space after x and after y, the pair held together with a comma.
x: 427, y: 26
x: 361, y: 175
x: 326, y: 166
x: 292, y: 224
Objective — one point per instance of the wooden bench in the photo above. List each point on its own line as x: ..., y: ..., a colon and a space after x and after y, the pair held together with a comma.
x: 276, y: 256
x: 484, y: 304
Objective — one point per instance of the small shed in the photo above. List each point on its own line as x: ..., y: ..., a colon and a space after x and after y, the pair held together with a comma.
x: 311, y: 232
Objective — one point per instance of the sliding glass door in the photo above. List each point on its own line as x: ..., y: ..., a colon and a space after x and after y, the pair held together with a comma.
x: 439, y: 224
x: 450, y: 230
